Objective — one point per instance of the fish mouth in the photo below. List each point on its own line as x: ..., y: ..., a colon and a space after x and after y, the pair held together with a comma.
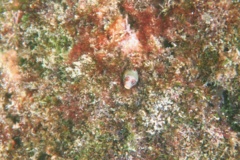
x: 127, y: 85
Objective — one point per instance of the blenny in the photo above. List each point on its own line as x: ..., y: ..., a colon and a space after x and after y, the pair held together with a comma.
x: 130, y: 78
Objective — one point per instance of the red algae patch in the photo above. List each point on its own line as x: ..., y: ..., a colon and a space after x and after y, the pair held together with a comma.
x: 9, y: 63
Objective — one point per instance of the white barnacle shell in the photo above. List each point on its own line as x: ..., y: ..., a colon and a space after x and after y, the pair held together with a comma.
x: 130, y: 78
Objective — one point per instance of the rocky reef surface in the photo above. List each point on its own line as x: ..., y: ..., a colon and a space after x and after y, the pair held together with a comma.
x: 62, y: 65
